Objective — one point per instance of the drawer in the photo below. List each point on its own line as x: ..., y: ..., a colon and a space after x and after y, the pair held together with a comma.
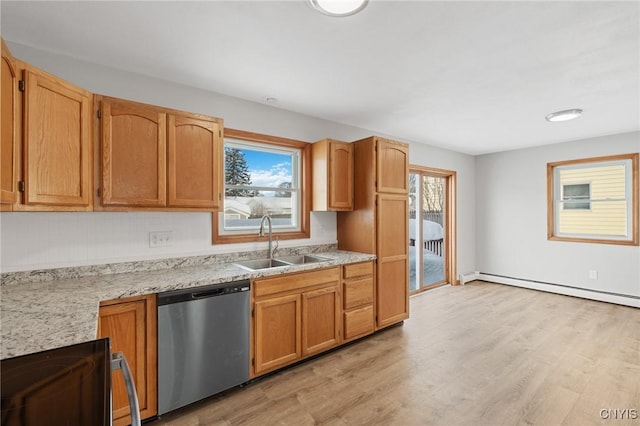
x: 357, y: 270
x: 295, y: 281
x: 358, y: 322
x: 358, y: 293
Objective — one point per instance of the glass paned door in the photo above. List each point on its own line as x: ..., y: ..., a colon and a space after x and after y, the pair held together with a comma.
x: 427, y: 230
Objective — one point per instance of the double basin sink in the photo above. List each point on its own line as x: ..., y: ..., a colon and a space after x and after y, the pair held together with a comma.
x: 262, y: 264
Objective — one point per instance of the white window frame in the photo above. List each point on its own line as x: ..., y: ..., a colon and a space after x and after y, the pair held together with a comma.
x: 556, y: 201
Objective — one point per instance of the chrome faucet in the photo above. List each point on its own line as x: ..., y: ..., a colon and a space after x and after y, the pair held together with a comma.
x: 261, y: 232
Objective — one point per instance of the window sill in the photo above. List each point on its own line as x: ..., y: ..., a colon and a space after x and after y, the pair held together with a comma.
x: 633, y: 242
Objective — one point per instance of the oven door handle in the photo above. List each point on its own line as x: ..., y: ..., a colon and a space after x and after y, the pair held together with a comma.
x: 119, y: 362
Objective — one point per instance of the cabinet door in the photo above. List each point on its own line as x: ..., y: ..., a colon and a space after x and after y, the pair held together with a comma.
x: 320, y: 319
x: 277, y: 332
x: 131, y: 328
x: 57, y: 142
x: 392, y: 167
x: 133, y: 143
x: 8, y: 127
x: 392, y: 285
x: 340, y: 176
x: 195, y: 162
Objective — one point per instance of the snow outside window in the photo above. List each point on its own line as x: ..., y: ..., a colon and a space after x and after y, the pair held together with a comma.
x: 260, y: 180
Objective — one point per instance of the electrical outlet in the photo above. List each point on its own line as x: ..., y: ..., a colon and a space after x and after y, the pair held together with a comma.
x: 593, y: 275
x: 160, y: 238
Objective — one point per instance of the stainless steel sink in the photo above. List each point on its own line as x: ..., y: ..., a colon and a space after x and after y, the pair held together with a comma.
x: 258, y: 264
x: 261, y: 264
x: 302, y: 259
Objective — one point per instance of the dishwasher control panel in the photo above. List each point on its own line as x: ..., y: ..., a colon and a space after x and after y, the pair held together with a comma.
x: 203, y: 292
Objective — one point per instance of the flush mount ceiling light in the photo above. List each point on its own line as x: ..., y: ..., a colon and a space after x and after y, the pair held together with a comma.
x: 339, y: 8
x: 565, y: 115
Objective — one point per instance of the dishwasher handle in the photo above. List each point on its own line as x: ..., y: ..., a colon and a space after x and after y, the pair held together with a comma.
x: 208, y: 293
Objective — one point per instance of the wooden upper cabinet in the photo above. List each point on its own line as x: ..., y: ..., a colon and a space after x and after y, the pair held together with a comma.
x: 9, y: 131
x: 57, y: 150
x: 195, y: 162
x: 133, y: 154
x: 392, y: 166
x: 157, y: 158
x: 332, y: 175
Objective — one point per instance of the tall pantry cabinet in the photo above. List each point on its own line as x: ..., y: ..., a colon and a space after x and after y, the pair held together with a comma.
x: 378, y: 223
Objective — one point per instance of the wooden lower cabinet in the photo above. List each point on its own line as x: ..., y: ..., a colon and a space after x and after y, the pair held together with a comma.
x: 392, y: 292
x: 358, y: 311
x: 131, y: 325
x: 320, y: 319
x: 294, y: 316
x: 277, y: 332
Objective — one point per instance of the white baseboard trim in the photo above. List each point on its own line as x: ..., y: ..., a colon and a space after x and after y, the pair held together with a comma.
x: 562, y: 289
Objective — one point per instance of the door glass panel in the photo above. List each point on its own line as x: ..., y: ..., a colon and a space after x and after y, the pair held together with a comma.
x: 413, y: 230
x: 427, y: 216
x: 433, y: 216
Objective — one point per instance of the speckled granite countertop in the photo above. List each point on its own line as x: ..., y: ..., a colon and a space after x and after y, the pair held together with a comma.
x: 44, y: 315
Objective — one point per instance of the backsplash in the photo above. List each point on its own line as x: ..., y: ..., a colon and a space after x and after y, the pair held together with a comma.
x: 43, y: 275
x: 50, y: 240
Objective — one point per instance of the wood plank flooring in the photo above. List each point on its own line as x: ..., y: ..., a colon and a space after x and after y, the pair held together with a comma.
x: 479, y: 354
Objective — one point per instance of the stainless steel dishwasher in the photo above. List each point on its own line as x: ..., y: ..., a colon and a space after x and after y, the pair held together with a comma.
x: 203, y: 342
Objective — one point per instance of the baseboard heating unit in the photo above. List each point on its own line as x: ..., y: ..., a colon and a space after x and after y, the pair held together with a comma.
x: 602, y: 296
x: 468, y: 277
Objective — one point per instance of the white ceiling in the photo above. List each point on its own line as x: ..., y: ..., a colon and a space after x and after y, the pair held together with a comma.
x: 475, y: 77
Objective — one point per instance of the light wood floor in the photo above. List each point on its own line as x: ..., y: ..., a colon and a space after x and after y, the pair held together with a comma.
x: 479, y: 354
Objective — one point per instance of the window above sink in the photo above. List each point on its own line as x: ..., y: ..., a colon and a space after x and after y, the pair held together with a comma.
x: 263, y: 175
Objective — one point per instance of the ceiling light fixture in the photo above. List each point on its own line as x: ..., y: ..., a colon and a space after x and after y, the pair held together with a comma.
x: 339, y: 8
x: 565, y: 115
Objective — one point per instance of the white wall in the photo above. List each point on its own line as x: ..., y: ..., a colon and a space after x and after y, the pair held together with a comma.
x: 48, y: 240
x: 511, y: 221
